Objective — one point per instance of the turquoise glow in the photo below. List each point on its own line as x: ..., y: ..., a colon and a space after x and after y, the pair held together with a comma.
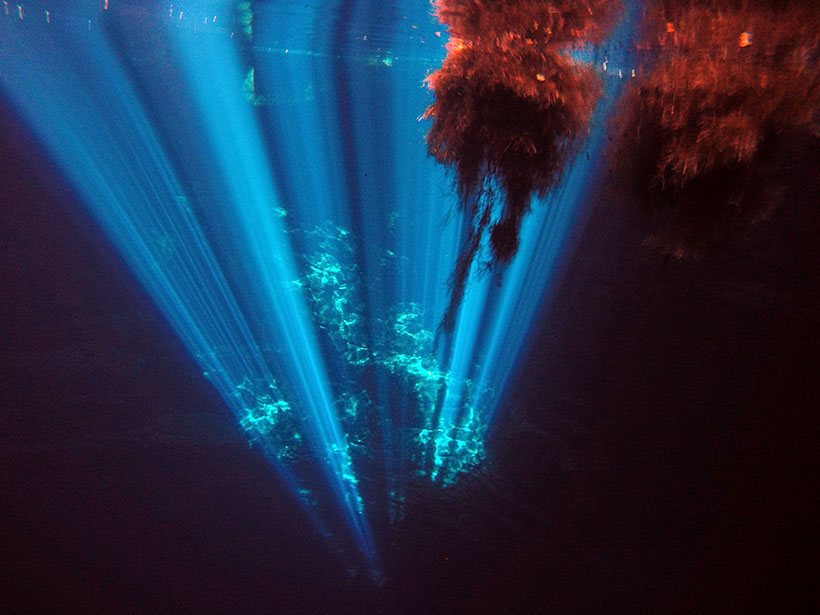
x: 265, y: 179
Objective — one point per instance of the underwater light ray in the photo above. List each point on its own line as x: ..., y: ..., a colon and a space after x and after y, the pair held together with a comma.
x: 500, y: 327
x: 126, y: 182
x: 364, y: 216
x: 135, y: 203
x: 233, y: 135
x: 295, y: 112
x: 412, y: 239
x: 465, y: 339
x: 368, y: 223
x: 329, y: 232
x: 363, y: 83
x: 530, y: 280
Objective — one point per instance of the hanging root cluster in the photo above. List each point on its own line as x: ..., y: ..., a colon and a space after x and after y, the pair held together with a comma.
x: 510, y: 106
x: 729, y: 100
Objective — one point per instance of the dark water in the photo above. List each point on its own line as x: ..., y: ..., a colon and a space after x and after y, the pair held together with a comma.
x: 657, y: 452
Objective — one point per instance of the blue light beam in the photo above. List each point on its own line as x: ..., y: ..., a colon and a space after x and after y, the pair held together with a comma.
x: 73, y: 91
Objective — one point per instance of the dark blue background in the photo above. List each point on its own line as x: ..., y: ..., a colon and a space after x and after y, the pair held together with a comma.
x: 658, y: 452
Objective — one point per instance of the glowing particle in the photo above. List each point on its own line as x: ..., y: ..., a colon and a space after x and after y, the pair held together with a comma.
x: 745, y: 39
x: 670, y: 27
x: 540, y: 77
